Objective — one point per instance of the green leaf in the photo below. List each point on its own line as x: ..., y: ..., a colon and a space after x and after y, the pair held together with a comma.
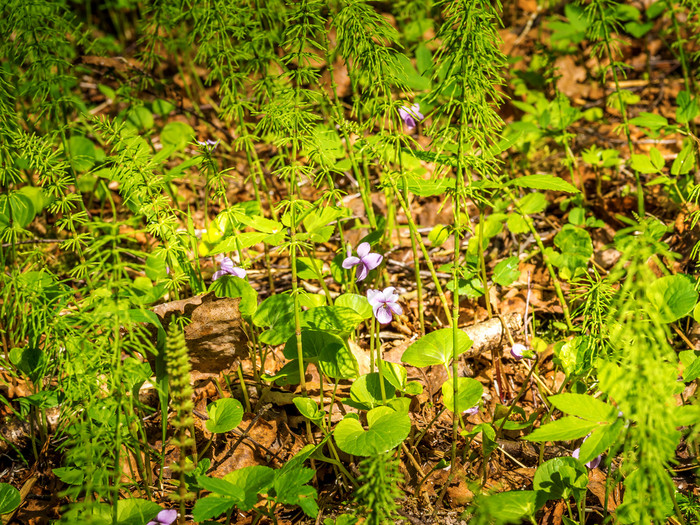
x: 134, y: 511
x: 511, y: 507
x: 534, y: 202
x: 309, y: 409
x: 161, y: 107
x: 212, y: 506
x: 9, y: 498
x: 234, y: 287
x: 225, y: 414
x: 470, y: 392
x: 176, y: 134
x: 383, y: 434
x: 643, y: 164
x: 685, y: 161
x: 16, y: 207
x: 600, y: 440
x: 692, y: 372
x: 313, y: 342
x: 652, y: 121
x: 560, y: 478
x: 336, y: 318
x: 253, y: 480
x: 221, y: 487
x: 517, y: 224
x: 140, y: 118
x: 82, y: 152
x: 365, y: 392
x: 438, y: 235
x: 436, y: 348
x: 584, y: 406
x: 272, y: 309
x: 687, y: 107
x: 507, y: 271
x: 544, y: 182
x: 357, y: 302
x: 672, y: 297
x: 563, y: 429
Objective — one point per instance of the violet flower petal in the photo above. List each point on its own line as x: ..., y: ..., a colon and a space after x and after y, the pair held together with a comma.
x: 167, y: 517
x: 383, y: 315
x: 350, y: 261
x: 362, y: 273
x: 363, y: 249
x: 227, y: 265
x: 217, y: 274
x: 239, y: 272
x: 372, y: 298
x: 372, y: 260
x: 395, y: 307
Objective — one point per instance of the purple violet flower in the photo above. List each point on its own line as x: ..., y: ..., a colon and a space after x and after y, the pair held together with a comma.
x: 227, y: 268
x: 471, y: 411
x: 410, y: 114
x: 517, y: 351
x: 367, y: 261
x: 164, y: 517
x: 592, y: 463
x: 209, y: 145
x: 384, y: 303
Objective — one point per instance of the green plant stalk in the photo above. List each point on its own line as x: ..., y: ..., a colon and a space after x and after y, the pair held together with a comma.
x: 548, y: 264
x: 623, y: 106
x: 414, y: 231
x: 380, y: 362
x: 319, y: 277
x: 118, y: 371
x: 482, y: 263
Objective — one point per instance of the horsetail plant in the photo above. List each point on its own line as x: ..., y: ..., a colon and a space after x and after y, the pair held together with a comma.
x: 178, y: 367
x: 467, y: 123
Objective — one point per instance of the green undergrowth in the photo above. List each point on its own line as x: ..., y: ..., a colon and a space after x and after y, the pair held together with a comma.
x: 278, y: 154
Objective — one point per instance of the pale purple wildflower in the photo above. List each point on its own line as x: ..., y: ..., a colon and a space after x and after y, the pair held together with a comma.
x: 410, y: 114
x: 366, y: 261
x: 384, y: 303
x: 227, y: 268
x: 471, y: 411
x: 209, y: 145
x: 164, y: 517
x: 517, y: 351
x: 592, y: 463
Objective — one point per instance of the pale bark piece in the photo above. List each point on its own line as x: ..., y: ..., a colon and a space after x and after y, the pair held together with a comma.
x: 490, y: 335
x: 215, y: 336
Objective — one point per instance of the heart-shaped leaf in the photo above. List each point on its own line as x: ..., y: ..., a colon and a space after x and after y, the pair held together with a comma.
x: 383, y: 434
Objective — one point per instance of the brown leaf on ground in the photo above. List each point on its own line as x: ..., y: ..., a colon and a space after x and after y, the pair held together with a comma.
x: 573, y: 78
x: 596, y: 484
x: 215, y: 336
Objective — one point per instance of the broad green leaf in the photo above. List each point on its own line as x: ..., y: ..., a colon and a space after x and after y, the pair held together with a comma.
x: 511, y: 507
x: 253, y: 480
x: 357, y: 302
x: 563, y: 429
x: 687, y: 108
x: 395, y: 374
x: 272, y: 309
x: 212, y: 506
x: 161, y: 107
x: 584, y: 406
x: 365, y: 392
x: 221, y: 487
x: 685, y: 161
x: 16, y: 207
x: 385, y: 433
x: 692, y: 372
x: 534, y: 202
x: 225, y: 414
x: 82, y: 152
x: 338, y: 362
x: 600, y: 440
x: 134, y: 511
x: 643, y: 164
x: 233, y: 287
x: 672, y: 296
x: 336, y: 318
x: 309, y: 409
x: 436, y: 348
x: 438, y: 235
x: 140, y: 117
x: 312, y: 344
x: 517, y: 224
x: 544, y: 182
x: 560, y: 478
x: 177, y: 134
x: 649, y: 120
x: 470, y: 392
x: 9, y: 498
x: 506, y: 271
x: 291, y: 489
